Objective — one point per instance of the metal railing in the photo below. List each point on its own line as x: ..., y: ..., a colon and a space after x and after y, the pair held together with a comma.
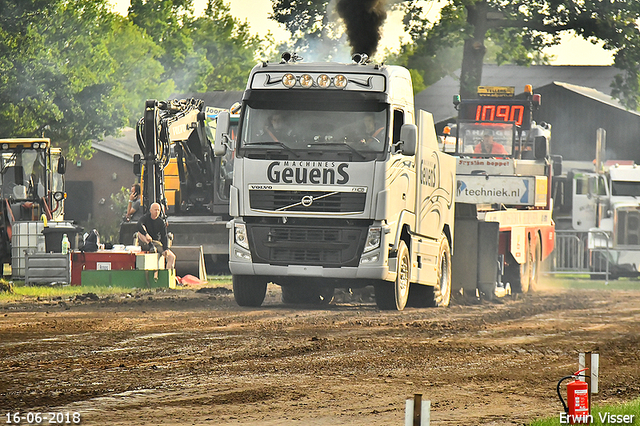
x: 571, y: 254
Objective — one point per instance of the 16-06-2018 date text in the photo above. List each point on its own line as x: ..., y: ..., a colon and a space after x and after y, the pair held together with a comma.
x: 38, y: 418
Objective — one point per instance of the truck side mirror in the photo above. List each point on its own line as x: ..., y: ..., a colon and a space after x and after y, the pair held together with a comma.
x: 62, y: 165
x: 556, y: 160
x: 221, y: 143
x: 408, y: 139
x: 540, y: 147
x: 137, y: 165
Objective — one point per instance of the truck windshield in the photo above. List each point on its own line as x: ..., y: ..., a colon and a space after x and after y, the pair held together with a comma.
x: 310, y: 133
x: 23, y: 174
x: 486, y: 139
x: 623, y: 188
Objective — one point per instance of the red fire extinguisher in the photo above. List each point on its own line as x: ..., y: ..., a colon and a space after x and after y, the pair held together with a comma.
x: 577, y: 406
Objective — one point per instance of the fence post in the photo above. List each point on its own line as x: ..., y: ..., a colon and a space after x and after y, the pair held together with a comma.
x: 417, y: 411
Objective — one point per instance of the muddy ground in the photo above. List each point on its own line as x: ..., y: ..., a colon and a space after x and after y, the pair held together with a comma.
x: 192, y: 357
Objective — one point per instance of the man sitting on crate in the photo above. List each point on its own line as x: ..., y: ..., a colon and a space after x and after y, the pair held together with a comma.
x: 152, y: 235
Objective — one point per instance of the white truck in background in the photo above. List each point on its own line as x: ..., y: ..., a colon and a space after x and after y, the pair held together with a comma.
x: 605, y: 206
x: 325, y: 203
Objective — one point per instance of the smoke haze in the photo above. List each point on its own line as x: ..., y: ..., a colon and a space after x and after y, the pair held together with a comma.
x: 364, y: 20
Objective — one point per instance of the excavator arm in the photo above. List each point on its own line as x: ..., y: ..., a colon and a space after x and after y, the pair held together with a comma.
x: 177, y: 125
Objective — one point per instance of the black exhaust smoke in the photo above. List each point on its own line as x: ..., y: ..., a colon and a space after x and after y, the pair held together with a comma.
x: 364, y: 19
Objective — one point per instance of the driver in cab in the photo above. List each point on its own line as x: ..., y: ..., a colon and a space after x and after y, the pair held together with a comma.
x: 373, y: 132
x: 489, y: 146
x: 276, y: 129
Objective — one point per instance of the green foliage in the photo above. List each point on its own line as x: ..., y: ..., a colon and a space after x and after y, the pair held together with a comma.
x: 228, y: 47
x: 212, y: 52
x: 73, y: 71
x: 62, y: 76
x: 472, y: 32
x: 109, y: 226
x: 6, y: 286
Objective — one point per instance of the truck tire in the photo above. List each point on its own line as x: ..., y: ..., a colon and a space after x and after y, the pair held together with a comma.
x: 394, y: 296
x: 305, y: 294
x: 441, y: 296
x: 249, y: 290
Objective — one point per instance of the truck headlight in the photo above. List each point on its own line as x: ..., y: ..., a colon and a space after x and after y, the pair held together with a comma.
x: 373, y: 238
x: 241, y: 235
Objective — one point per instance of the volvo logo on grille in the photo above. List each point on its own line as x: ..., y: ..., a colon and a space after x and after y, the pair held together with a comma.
x: 307, y: 200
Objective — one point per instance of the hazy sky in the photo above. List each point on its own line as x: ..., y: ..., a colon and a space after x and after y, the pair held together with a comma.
x: 573, y: 50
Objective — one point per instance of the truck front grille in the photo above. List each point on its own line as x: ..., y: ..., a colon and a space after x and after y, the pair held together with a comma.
x: 307, y: 201
x: 306, y: 245
x: 627, y: 226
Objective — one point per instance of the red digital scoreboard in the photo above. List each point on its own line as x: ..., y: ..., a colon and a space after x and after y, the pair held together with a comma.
x: 499, y: 111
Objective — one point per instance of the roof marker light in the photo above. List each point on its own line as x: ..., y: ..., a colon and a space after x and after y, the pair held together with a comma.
x: 340, y: 81
x: 323, y: 81
x: 306, y: 81
x: 289, y: 80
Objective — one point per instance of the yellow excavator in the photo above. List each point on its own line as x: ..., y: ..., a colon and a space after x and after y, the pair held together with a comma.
x: 179, y: 171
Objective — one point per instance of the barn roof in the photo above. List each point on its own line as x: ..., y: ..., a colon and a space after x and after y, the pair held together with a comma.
x: 595, y: 95
x: 124, y: 146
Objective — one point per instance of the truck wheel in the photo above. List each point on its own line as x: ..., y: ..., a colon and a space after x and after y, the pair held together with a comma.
x: 439, y: 295
x: 303, y: 294
x: 249, y: 290
x: 391, y: 296
x: 442, y: 291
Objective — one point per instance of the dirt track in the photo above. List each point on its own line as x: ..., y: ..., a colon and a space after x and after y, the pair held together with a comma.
x: 195, y: 358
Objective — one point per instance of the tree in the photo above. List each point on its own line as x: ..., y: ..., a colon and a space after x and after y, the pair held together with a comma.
x: 523, y: 28
x: 228, y: 47
x: 469, y: 31
x: 167, y: 22
x: 59, y: 77
x: 139, y: 71
x: 211, y: 52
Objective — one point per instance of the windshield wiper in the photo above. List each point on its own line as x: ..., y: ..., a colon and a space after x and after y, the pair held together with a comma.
x: 339, y: 144
x: 280, y: 144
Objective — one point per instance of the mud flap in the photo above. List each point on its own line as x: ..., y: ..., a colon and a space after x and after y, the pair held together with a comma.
x: 464, y: 262
x: 474, y: 264
x: 488, y: 278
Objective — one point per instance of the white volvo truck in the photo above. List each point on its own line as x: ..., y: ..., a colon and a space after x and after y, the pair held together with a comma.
x: 334, y: 185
